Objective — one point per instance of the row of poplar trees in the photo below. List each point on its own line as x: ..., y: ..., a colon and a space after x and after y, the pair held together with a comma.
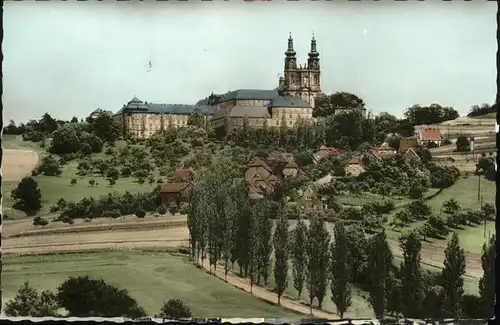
x: 227, y: 228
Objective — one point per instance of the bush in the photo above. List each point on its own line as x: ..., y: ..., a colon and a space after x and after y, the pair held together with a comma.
x: 140, y: 213
x: 445, y: 142
x: 73, y: 181
x: 126, y: 172
x: 68, y: 220
x: 115, y: 213
x: 417, y: 193
x: 87, y: 219
x: 162, y: 209
x: 39, y: 221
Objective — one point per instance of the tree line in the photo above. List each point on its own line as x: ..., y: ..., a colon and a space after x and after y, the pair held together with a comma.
x: 85, y: 297
x: 228, y: 230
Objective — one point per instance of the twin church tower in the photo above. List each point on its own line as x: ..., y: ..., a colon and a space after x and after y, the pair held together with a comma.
x: 301, y: 81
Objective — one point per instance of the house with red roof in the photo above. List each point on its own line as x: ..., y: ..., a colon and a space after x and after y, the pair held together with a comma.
x: 429, y: 134
x: 175, y: 192
x: 325, y: 151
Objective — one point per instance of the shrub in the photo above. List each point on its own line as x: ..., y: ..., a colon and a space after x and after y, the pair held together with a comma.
x: 446, y: 142
x: 416, y: 193
x: 140, y: 213
x: 73, y: 181
x: 87, y: 219
x: 39, y: 221
x: 115, y: 213
x: 162, y: 209
x: 126, y: 172
x: 68, y: 220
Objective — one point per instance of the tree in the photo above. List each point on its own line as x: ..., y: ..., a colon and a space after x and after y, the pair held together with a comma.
x: 264, y: 233
x: 28, y: 302
x: 299, y: 256
x: 452, y: 277
x: 411, y: 278
x: 487, y: 281
x: 379, y: 262
x: 280, y: 241
x: 318, y: 241
x: 463, y: 144
x: 328, y: 105
x: 85, y: 297
x: 174, y: 309
x: 340, y: 270
x: 27, y: 196
x: 253, y: 255
x: 104, y: 127
x: 451, y: 206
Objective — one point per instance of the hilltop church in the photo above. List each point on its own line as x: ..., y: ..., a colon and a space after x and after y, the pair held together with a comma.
x: 294, y: 98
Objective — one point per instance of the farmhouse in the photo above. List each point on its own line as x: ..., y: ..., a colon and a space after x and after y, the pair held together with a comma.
x: 429, y: 134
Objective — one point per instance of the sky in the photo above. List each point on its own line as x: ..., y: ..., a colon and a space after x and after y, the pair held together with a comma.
x: 68, y: 58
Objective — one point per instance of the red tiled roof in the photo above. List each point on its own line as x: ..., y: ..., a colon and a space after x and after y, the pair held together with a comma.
x: 257, y: 162
x: 354, y: 161
x: 376, y: 154
x: 173, y: 187
x: 184, y: 173
x: 430, y: 134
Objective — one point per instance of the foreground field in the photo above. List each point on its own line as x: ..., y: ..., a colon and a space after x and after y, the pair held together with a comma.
x: 150, y: 277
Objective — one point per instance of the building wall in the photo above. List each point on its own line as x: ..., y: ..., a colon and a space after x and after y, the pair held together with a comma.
x: 143, y: 126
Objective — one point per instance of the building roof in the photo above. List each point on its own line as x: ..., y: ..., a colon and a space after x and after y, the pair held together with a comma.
x: 376, y: 154
x: 184, y: 173
x: 430, y: 134
x: 173, y: 187
x: 135, y: 105
x: 331, y: 150
x: 247, y: 94
x: 257, y: 162
x: 410, y: 151
x: 354, y: 161
x: 288, y: 101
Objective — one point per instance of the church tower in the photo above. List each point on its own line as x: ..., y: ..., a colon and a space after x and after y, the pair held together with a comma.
x: 301, y: 81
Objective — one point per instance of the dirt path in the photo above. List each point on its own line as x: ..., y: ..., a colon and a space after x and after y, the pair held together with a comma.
x: 265, y: 294
x: 166, y: 237
x: 17, y: 163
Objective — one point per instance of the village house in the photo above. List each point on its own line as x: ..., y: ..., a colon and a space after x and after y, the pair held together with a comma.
x: 409, y: 142
x: 411, y: 155
x: 310, y: 200
x: 260, y: 177
x: 354, y: 166
x: 386, y: 151
x: 429, y: 134
x: 175, y: 193
x: 325, y: 151
x: 291, y: 169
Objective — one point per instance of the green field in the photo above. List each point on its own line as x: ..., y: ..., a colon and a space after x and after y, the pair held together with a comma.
x: 150, y: 277
x: 465, y: 192
x: 55, y: 187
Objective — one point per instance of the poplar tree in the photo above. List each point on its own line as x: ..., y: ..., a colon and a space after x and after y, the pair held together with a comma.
x: 265, y: 248
x: 253, y: 258
x: 193, y: 220
x: 452, y: 277
x: 379, y: 263
x: 318, y: 241
x: 299, y: 256
x: 340, y: 271
x: 411, y: 276
x: 487, y: 281
x: 228, y: 233
x: 280, y: 241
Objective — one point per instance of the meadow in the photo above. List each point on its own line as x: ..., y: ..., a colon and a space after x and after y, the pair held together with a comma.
x: 465, y: 192
x: 55, y: 187
x: 150, y: 277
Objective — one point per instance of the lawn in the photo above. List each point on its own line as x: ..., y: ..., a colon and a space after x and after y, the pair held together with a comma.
x: 55, y: 187
x: 150, y: 277
x: 465, y: 192
x: 11, y: 141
